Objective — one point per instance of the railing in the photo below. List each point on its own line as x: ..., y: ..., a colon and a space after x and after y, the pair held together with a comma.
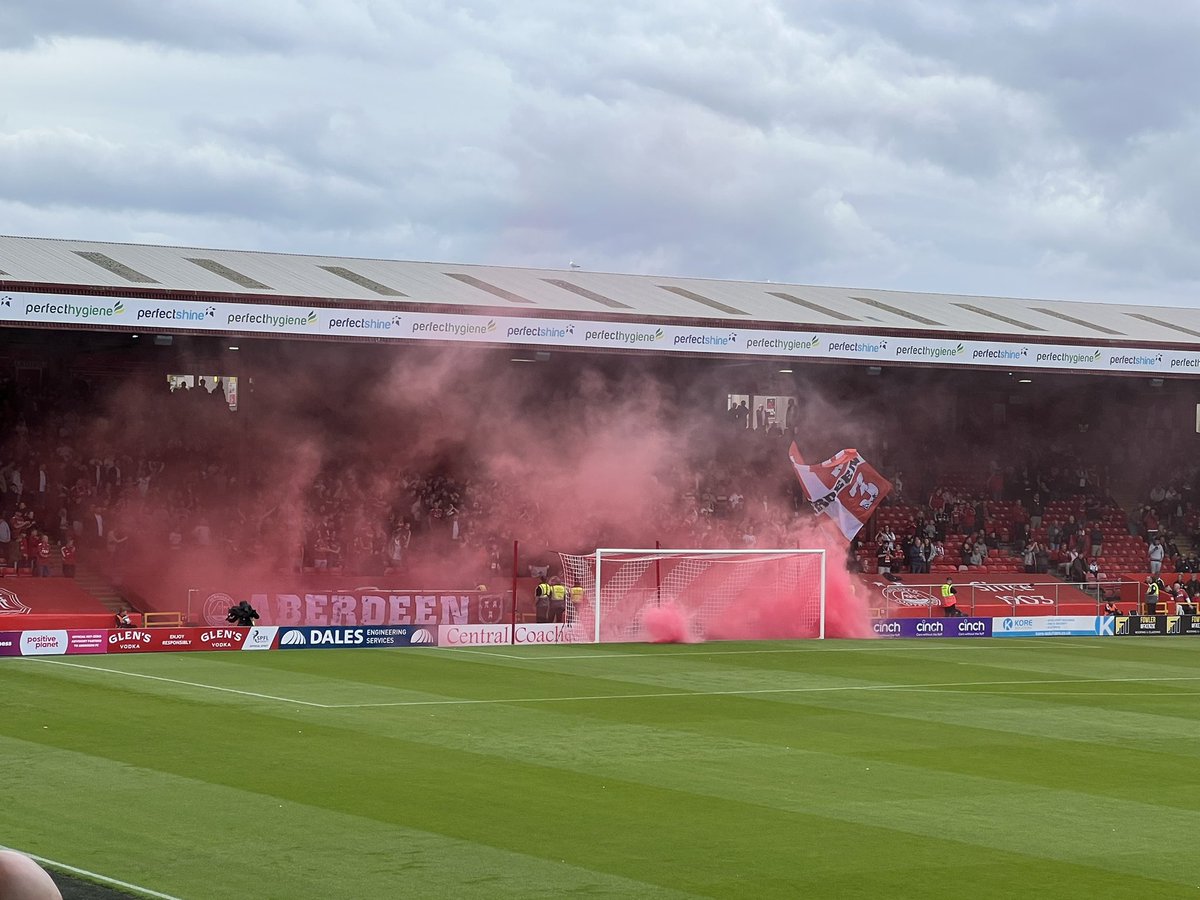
x: 1026, y: 598
x: 157, y: 619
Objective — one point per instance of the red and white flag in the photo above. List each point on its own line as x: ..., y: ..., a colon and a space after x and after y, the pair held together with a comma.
x: 845, y: 487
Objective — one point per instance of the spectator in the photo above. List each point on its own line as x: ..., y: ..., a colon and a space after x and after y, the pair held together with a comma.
x: 1029, y: 557
x: 1077, y: 570
x: 42, y: 560
x: 68, y: 551
x: 883, y: 560
x: 1155, y: 556
x: 6, y: 542
x: 887, y: 539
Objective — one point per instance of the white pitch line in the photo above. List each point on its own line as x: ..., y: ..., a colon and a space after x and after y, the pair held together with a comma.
x: 211, y: 687
x: 480, y: 652
x: 863, y: 645
x: 95, y: 876
x: 1139, y: 695
x: 757, y: 691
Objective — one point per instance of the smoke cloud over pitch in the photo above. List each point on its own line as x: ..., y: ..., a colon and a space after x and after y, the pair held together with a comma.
x: 566, y: 455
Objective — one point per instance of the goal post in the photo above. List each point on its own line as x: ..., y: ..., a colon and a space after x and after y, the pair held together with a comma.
x: 717, y: 593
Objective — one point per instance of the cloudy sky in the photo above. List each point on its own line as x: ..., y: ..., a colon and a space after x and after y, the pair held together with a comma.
x: 1034, y: 149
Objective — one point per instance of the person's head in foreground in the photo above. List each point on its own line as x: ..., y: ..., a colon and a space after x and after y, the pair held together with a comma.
x: 23, y: 879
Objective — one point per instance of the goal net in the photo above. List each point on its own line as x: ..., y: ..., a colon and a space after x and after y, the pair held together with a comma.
x: 717, y: 593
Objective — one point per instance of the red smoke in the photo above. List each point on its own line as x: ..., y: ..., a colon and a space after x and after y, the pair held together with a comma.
x: 667, y: 624
x: 569, y: 454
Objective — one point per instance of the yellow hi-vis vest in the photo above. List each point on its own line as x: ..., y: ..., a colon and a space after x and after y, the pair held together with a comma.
x: 558, y: 592
x: 577, y: 594
x: 542, y: 591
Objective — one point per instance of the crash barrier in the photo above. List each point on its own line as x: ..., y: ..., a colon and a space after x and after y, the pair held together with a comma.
x: 1036, y: 626
x: 995, y: 596
x: 73, y: 641
x: 70, y: 641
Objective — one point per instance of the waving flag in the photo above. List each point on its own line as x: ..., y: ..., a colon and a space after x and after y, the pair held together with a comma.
x: 845, y: 487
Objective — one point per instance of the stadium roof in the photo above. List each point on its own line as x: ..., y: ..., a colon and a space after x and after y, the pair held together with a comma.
x: 29, y: 263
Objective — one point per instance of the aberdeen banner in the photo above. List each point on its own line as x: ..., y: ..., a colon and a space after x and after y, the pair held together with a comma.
x: 358, y: 606
x: 844, y: 487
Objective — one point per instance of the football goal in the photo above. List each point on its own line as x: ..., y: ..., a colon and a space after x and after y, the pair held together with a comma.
x: 709, y: 589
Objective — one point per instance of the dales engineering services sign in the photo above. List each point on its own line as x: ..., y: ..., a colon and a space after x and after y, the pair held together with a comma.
x: 308, y: 637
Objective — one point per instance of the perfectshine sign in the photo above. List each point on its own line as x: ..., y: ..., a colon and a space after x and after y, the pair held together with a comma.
x: 132, y: 314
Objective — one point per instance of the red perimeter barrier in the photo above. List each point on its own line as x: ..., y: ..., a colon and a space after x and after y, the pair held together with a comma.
x: 28, y: 603
x: 997, y: 595
x: 60, y: 641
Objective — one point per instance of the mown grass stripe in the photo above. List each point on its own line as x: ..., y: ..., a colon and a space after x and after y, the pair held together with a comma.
x: 823, y: 792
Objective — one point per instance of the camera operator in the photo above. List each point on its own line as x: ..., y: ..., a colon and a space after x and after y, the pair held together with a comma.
x: 243, y: 614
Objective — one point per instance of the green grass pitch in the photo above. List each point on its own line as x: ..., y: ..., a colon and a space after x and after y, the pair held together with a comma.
x: 1064, y: 768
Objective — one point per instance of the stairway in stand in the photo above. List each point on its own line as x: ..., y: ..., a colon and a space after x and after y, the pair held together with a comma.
x: 92, y: 580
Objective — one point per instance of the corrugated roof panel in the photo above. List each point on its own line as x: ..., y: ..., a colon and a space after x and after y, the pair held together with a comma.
x: 999, y: 317
x: 897, y: 311
x: 1080, y: 322
x: 815, y: 307
x: 706, y: 301
x: 362, y: 281
x: 492, y: 289
x: 1170, y: 326
x: 589, y: 294
x: 228, y: 274
x: 117, y: 268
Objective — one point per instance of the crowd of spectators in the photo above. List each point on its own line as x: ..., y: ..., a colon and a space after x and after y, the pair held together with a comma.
x: 177, y: 474
x: 165, y: 474
x: 1053, y: 512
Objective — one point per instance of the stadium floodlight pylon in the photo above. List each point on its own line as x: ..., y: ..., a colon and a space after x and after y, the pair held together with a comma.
x: 706, y: 586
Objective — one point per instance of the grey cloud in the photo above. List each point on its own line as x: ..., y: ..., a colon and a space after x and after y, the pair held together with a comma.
x: 987, y: 147
x: 1109, y: 70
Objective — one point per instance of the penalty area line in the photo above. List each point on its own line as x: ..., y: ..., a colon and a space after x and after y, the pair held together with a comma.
x: 93, y: 876
x: 750, y: 692
x: 861, y: 645
x: 196, y: 684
